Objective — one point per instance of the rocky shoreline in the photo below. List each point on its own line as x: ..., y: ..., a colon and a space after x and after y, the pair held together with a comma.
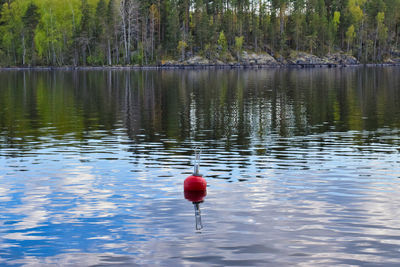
x: 248, y: 60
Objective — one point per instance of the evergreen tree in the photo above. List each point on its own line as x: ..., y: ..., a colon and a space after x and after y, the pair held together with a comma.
x: 84, y: 31
x: 111, y: 33
x: 30, y: 21
x: 172, y: 31
x: 99, y: 33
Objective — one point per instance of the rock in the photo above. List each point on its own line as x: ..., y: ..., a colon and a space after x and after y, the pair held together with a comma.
x: 392, y: 61
x: 341, y: 59
x: 257, y: 59
x: 395, y: 53
x: 168, y: 62
x: 304, y: 58
x: 300, y: 58
x: 265, y: 59
x: 197, y: 60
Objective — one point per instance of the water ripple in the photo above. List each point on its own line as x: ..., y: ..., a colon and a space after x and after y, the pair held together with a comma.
x: 293, y: 179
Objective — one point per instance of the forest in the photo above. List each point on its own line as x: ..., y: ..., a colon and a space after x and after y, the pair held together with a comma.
x: 148, y: 32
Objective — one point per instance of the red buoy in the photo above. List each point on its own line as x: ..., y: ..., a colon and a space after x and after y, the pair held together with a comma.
x: 195, y: 182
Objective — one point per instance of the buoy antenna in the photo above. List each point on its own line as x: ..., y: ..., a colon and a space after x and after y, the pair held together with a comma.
x: 197, y: 152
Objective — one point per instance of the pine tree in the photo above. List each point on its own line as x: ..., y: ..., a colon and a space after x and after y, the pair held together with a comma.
x: 84, y: 31
x: 172, y: 31
x: 99, y: 32
x: 30, y: 21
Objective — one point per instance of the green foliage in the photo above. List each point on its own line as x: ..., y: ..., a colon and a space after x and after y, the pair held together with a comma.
x: 96, y: 59
x: 31, y: 17
x: 209, y: 51
x: 223, y: 47
x: 201, y: 24
x: 336, y: 20
x: 182, y: 45
x: 172, y: 27
x: 138, y: 55
x: 30, y: 21
x: 350, y: 35
x: 238, y: 46
x: 60, y: 32
x: 356, y: 13
x: 382, y: 29
x: 100, y: 19
x: 332, y: 29
x: 223, y: 44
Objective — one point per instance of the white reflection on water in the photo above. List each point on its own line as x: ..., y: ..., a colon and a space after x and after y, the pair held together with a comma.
x: 4, y: 193
x: 318, y: 214
x: 75, y: 259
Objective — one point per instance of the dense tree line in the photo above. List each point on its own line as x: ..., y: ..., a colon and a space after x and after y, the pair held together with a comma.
x: 109, y: 32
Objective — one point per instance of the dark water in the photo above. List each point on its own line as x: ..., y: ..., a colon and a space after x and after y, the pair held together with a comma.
x: 303, y: 167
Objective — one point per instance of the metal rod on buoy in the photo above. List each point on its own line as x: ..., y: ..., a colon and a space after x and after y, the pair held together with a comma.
x: 197, y: 161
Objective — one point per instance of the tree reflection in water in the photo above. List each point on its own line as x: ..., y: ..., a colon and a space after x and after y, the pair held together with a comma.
x: 235, y: 105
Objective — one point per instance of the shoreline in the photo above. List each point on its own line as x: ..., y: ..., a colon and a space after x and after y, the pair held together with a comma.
x: 200, y: 67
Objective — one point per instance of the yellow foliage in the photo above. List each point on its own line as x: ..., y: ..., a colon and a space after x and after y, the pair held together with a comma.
x: 355, y: 10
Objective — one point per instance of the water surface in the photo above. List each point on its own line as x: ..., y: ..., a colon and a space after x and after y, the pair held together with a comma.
x: 303, y: 167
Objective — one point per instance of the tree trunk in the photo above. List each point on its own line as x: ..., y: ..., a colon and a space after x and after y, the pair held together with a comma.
x: 109, y: 51
x: 128, y: 54
x: 187, y: 15
x: 281, y: 19
x: 123, y: 17
x: 52, y: 39
x: 84, y: 55
x: 375, y: 41
x: 75, y: 56
x: 116, y: 48
x: 159, y: 24
x: 23, y: 49
x: 361, y: 40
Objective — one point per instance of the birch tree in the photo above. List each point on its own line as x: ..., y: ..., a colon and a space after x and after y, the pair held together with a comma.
x: 129, y: 12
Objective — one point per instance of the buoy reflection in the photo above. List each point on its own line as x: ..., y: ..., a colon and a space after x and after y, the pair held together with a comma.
x: 196, y: 197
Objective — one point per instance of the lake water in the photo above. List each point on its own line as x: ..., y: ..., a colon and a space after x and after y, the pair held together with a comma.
x: 303, y: 167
